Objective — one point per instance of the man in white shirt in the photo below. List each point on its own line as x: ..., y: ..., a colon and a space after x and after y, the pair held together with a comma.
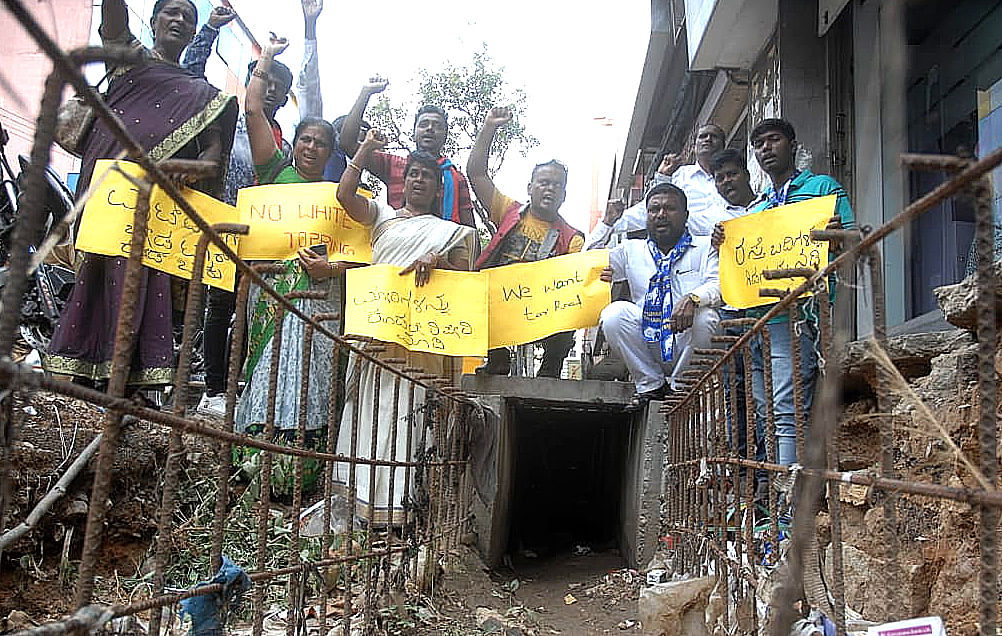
x: 674, y: 286
x: 696, y: 180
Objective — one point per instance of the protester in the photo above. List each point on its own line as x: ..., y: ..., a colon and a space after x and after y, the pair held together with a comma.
x: 416, y: 238
x: 311, y: 148
x: 525, y: 232
x: 618, y: 224
x: 220, y: 304
x: 774, y: 143
x: 147, y: 98
x: 696, y: 180
x: 674, y: 287
x: 431, y: 129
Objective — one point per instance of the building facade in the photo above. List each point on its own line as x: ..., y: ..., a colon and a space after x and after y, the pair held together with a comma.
x: 862, y: 81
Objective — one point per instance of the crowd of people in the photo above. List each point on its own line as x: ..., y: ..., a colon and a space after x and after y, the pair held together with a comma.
x: 665, y: 247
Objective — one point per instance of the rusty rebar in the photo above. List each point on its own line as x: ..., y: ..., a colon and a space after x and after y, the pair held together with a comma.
x: 175, y: 447
x: 125, y: 340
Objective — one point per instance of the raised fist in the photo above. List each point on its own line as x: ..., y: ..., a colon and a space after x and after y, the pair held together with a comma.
x: 221, y: 16
x: 498, y: 116
x: 613, y: 210
x: 376, y: 84
x: 670, y: 163
x: 312, y: 9
x: 275, y: 46
x: 374, y: 139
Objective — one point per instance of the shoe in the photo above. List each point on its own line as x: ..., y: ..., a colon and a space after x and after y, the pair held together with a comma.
x: 212, y: 405
x: 641, y: 399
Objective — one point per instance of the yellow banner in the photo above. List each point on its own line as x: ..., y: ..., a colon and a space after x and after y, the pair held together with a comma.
x: 529, y: 301
x: 464, y: 313
x: 171, y: 237
x: 447, y: 316
x: 779, y: 238
x: 286, y: 217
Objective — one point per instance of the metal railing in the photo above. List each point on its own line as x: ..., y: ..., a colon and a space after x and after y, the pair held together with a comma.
x: 709, y: 481
x: 372, y: 558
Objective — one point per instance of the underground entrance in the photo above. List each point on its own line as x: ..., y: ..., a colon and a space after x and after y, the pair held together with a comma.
x: 563, y: 466
x: 567, y: 478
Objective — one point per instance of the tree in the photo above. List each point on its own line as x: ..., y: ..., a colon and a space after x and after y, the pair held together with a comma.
x: 466, y: 93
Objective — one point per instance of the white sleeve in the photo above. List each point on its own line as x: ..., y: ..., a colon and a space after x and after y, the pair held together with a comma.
x: 617, y: 261
x: 599, y: 237
x: 311, y: 102
x: 709, y: 290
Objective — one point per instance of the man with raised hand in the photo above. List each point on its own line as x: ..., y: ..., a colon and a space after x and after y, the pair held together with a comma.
x: 674, y: 287
x: 526, y: 232
x: 696, y: 180
x: 431, y: 129
x: 774, y: 142
x: 220, y: 304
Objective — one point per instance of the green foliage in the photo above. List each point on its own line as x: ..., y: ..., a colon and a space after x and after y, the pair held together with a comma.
x: 467, y: 93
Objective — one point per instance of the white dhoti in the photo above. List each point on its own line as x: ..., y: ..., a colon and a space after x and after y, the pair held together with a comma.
x: 621, y: 323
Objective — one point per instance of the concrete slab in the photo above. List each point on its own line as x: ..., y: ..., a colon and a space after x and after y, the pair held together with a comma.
x: 565, y: 392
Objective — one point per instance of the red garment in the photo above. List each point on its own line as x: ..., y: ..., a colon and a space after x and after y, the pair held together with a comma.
x: 390, y: 170
x: 510, y: 220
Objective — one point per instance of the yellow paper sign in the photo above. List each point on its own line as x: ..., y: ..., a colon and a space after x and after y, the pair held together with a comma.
x: 778, y: 238
x: 529, y: 301
x: 284, y: 218
x: 447, y: 316
x: 171, y: 237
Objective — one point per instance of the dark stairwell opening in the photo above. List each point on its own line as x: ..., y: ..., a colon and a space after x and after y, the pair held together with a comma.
x: 570, y: 475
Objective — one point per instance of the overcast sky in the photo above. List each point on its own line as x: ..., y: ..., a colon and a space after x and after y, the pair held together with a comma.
x: 576, y: 62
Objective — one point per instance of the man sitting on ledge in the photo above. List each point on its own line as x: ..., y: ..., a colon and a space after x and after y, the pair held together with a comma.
x: 674, y: 286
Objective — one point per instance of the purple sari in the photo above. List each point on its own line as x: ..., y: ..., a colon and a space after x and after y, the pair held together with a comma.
x: 164, y: 108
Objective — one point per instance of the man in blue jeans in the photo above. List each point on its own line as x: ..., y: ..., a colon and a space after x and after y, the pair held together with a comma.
x: 774, y: 143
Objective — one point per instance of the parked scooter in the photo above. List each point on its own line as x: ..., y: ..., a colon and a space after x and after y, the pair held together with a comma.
x: 51, y: 284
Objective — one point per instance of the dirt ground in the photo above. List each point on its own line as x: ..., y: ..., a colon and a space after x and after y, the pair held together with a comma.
x: 563, y: 594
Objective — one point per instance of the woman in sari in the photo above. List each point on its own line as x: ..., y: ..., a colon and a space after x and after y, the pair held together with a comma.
x: 417, y: 239
x: 172, y: 115
x: 310, y: 272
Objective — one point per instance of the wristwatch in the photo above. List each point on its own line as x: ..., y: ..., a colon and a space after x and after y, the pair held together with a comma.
x: 694, y: 298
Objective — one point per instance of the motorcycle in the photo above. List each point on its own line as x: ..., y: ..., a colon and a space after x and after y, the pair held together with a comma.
x: 51, y: 284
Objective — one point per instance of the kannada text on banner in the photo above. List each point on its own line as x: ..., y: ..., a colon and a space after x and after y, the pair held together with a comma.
x: 284, y: 218
x: 778, y: 238
x: 446, y: 316
x: 529, y: 301
x: 171, y: 237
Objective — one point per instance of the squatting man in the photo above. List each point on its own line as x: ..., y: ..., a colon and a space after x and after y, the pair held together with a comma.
x: 674, y: 287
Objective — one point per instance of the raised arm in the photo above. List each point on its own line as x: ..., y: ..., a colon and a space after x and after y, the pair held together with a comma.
x: 311, y: 102
x: 355, y: 205
x: 353, y: 123
x: 262, y: 141
x: 197, y: 53
x: 114, y: 18
x: 476, y: 165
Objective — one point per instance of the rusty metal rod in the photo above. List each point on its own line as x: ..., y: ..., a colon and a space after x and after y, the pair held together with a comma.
x: 18, y: 377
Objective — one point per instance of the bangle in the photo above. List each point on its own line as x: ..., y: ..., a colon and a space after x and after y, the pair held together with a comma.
x: 694, y: 298
x: 352, y: 164
x: 259, y: 73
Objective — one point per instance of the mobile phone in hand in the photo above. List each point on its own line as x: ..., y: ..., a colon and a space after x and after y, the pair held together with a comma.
x: 319, y: 250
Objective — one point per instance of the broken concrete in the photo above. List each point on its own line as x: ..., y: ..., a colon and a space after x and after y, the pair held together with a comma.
x: 958, y: 301
x: 676, y: 608
x: 912, y: 354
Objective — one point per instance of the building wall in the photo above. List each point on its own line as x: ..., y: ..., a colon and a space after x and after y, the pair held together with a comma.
x: 26, y: 67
